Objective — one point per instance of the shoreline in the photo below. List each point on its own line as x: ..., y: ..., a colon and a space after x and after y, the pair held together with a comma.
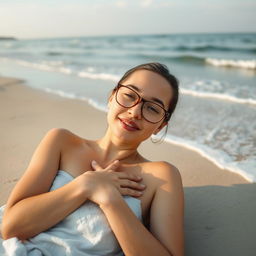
x: 59, y: 84
x: 215, y: 199
x: 98, y: 115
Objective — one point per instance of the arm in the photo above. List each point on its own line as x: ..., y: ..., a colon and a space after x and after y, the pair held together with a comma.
x: 30, y: 202
x: 166, y: 220
x: 31, y: 209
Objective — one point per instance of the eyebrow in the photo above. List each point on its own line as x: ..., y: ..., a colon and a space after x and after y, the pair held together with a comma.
x: 153, y: 98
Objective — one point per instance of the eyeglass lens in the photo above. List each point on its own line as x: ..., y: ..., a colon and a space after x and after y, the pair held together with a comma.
x: 152, y: 112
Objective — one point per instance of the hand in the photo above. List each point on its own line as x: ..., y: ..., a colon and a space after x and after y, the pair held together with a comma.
x: 106, y: 185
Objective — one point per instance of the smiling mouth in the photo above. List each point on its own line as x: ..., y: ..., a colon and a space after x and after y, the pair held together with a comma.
x: 128, y: 125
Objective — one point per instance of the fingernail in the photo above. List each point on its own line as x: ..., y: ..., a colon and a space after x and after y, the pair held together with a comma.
x: 93, y: 162
x: 143, y: 185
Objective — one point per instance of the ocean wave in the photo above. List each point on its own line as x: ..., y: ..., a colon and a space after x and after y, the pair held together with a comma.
x: 189, y: 58
x: 246, y: 64
x: 220, y: 158
x: 178, y: 58
x: 75, y: 41
x: 91, y: 73
x: 191, y: 48
x: 7, y: 45
x: 218, y: 96
x: 61, y: 93
x: 70, y: 52
x: 58, y: 66
x: 54, y: 53
x: 199, y: 60
x: 98, y: 106
x: 47, y: 66
x: 210, y: 48
x: 245, y: 168
x: 69, y: 95
x: 103, y: 76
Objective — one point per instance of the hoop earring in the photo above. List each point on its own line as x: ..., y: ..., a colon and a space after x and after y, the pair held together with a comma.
x: 161, y: 138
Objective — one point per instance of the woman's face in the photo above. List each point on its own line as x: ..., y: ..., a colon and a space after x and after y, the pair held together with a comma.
x: 128, y: 124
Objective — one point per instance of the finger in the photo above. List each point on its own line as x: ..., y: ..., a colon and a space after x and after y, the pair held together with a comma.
x: 130, y: 192
x: 113, y: 166
x: 129, y: 176
x: 95, y: 166
x: 132, y: 185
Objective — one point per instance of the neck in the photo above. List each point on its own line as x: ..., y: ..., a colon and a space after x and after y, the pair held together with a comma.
x: 110, y: 149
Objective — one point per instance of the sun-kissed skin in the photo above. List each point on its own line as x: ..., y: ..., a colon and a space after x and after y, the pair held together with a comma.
x: 103, y: 171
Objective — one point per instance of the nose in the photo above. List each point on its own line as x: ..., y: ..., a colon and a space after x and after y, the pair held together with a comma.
x: 135, y: 111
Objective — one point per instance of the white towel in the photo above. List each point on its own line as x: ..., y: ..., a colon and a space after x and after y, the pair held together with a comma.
x: 84, y: 232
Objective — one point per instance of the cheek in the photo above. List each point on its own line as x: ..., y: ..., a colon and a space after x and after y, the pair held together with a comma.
x: 154, y: 129
x: 113, y: 110
x: 149, y: 129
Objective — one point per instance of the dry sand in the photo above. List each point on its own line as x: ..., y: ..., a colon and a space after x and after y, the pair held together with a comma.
x: 220, y: 205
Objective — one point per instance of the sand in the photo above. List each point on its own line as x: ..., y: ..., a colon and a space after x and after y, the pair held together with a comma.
x: 219, y: 205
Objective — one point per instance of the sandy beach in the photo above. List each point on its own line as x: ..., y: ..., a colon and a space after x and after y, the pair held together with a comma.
x: 220, y: 205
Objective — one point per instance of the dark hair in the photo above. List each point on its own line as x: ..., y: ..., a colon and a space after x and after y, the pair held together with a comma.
x: 163, y: 71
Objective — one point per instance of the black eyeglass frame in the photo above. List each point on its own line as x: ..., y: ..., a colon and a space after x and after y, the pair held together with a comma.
x: 140, y: 99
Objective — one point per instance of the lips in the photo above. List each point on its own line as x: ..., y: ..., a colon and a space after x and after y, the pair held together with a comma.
x: 128, y: 124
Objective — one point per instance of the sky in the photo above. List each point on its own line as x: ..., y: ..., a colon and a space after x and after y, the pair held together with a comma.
x: 71, y: 18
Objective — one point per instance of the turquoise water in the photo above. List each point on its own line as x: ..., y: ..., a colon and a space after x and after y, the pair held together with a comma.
x: 216, y: 114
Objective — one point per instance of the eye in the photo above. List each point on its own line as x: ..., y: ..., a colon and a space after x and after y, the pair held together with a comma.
x: 153, y: 109
x: 129, y: 96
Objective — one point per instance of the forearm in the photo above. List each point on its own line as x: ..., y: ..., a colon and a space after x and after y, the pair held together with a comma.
x: 133, y: 237
x: 33, y: 215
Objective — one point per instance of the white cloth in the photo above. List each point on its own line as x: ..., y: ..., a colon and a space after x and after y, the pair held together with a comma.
x: 84, y: 232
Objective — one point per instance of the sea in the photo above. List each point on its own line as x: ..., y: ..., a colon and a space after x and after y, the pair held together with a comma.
x: 216, y: 113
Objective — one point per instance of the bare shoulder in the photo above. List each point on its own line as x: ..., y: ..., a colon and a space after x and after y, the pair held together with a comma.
x: 64, y: 137
x: 57, y: 135
x: 43, y: 165
x: 61, y: 133
x: 165, y: 173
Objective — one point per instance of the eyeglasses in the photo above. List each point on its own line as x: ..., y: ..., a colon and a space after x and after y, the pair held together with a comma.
x: 151, y: 111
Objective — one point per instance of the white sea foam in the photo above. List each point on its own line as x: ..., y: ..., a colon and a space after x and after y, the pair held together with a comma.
x: 96, y: 105
x: 217, y: 96
x: 8, y: 45
x: 246, y: 169
x: 52, y: 66
x: 90, y: 69
x: 103, y: 76
x: 246, y: 64
x: 69, y: 95
x: 58, y: 66
x: 61, y: 93
x: 74, y: 41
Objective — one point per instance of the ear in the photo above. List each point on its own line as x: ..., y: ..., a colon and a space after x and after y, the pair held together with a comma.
x: 160, y: 128
x: 110, y: 99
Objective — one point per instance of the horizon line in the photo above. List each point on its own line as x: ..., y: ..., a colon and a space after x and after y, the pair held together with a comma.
x: 136, y: 34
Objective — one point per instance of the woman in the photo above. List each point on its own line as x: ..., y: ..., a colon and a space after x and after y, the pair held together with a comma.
x: 83, y: 197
